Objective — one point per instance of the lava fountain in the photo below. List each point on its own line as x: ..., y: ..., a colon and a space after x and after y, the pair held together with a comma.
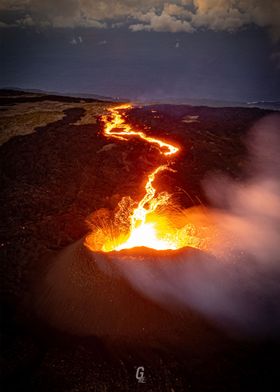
x: 153, y: 222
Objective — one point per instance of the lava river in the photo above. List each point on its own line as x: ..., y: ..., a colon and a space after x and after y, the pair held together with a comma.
x: 152, y: 223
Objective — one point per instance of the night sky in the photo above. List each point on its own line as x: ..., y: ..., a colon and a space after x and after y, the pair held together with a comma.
x: 158, y: 54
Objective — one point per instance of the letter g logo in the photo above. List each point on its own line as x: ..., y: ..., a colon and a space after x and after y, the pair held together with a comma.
x: 140, y: 374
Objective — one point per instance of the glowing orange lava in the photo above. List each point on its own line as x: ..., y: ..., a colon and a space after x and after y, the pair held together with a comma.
x: 146, y: 225
x: 115, y: 126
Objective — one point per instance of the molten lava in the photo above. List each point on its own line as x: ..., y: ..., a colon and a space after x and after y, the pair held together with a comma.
x: 143, y: 224
x: 115, y: 126
x: 143, y: 233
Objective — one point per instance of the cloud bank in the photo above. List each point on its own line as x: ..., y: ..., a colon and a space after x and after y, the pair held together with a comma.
x: 148, y: 15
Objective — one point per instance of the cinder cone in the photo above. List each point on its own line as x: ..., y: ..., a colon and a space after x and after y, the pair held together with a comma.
x: 88, y: 293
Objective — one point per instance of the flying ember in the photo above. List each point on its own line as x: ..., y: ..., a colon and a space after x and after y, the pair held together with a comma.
x: 151, y: 223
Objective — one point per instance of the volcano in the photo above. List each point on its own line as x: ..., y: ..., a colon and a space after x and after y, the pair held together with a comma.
x: 89, y: 277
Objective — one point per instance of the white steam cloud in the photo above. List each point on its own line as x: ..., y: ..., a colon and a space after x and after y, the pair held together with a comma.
x: 236, y: 284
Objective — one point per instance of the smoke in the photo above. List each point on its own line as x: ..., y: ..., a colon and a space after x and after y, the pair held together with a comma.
x: 237, y: 282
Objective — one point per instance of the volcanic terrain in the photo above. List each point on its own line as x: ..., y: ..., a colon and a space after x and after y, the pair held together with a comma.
x: 58, y: 172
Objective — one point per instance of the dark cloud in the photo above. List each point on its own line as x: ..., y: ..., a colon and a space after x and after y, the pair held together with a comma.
x: 148, y: 15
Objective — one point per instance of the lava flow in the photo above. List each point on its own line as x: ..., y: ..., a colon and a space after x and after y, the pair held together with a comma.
x: 145, y: 224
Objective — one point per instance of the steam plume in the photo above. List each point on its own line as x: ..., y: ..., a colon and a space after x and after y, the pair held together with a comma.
x: 236, y: 283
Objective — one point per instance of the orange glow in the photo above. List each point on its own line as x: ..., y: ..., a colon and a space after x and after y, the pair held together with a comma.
x: 115, y: 126
x: 144, y: 225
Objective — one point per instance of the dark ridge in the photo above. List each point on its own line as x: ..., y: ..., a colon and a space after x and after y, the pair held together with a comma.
x: 12, y: 98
